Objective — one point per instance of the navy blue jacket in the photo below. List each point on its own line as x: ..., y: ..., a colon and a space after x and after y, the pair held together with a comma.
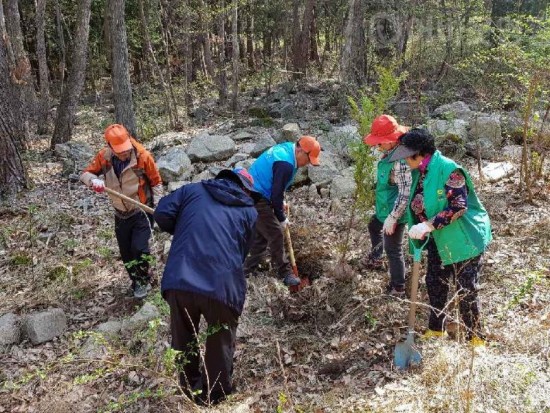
x: 213, y: 224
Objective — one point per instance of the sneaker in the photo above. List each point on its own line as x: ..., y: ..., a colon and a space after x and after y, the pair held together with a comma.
x: 429, y: 334
x: 373, y: 264
x: 291, y: 280
x: 141, y: 290
x: 396, y: 291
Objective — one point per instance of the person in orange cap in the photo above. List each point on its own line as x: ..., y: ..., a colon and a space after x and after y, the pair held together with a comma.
x: 393, y: 182
x: 128, y: 168
x: 273, y: 173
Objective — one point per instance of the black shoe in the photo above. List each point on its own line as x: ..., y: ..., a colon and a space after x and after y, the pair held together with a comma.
x: 396, y: 291
x: 374, y: 264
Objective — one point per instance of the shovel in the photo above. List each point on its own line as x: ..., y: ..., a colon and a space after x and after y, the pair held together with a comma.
x: 125, y: 198
x: 406, y: 353
x: 304, y: 282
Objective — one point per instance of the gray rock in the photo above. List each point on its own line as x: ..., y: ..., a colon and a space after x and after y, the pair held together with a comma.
x: 175, y: 165
x: 455, y: 110
x: 290, y: 133
x: 282, y: 110
x: 262, y: 144
x: 94, y: 348
x: 342, y: 186
x: 175, y: 185
x: 242, y: 135
x: 45, y: 325
x: 247, y: 163
x: 339, y: 139
x: 301, y: 176
x: 209, y: 148
x: 204, y: 175
x: 335, y: 206
x: 496, y: 171
x: 234, y: 159
x: 10, y: 329
x: 327, y: 169
x: 200, y: 114
x: 512, y: 152
x: 511, y: 124
x: 450, y: 135
x: 325, y: 192
x: 110, y: 328
x: 140, y: 319
x: 75, y: 156
x: 165, y: 140
x: 483, y: 148
x: 312, y: 192
x: 486, y: 127
x: 410, y: 112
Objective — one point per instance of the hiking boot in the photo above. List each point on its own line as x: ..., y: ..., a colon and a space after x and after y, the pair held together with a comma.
x: 141, y: 290
x: 433, y: 334
x: 374, y: 264
x: 395, y: 291
x: 291, y: 280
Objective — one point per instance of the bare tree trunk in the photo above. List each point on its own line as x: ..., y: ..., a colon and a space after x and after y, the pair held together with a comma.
x: 352, y: 61
x: 120, y: 71
x: 250, y: 41
x: 77, y: 74
x: 165, y: 19
x: 12, y: 172
x: 313, y: 47
x: 62, y: 47
x: 236, y: 55
x: 44, y: 105
x: 187, y: 55
x: 150, y: 53
x: 23, y: 65
x: 205, y: 41
x: 222, y: 76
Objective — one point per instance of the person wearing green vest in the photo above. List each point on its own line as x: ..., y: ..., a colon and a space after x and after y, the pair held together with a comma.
x: 444, y: 206
x: 387, y: 225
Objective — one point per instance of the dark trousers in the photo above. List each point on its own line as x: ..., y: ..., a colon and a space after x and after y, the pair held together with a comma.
x: 438, y: 279
x: 185, y: 312
x: 268, y: 234
x: 133, y: 234
x: 392, y: 245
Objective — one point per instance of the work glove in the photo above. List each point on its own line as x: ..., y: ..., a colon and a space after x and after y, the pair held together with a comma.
x: 98, y: 185
x: 389, y: 225
x: 284, y: 223
x: 419, y: 231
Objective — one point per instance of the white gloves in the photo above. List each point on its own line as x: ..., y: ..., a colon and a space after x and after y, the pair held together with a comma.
x: 98, y: 185
x: 284, y: 223
x: 389, y: 225
x: 419, y: 231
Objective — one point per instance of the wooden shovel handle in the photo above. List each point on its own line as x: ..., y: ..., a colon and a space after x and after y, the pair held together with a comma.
x: 290, y: 249
x: 146, y: 208
x: 414, y: 293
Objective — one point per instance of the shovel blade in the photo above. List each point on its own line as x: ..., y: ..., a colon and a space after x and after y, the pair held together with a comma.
x: 406, y: 354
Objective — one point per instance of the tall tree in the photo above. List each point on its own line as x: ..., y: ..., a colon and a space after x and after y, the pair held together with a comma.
x: 12, y: 172
x: 75, y: 82
x: 301, y: 39
x: 44, y: 104
x: 235, y: 57
x: 120, y: 73
x: 222, y: 76
x: 353, y: 62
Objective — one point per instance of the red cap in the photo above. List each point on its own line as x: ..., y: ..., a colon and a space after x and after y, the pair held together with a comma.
x: 118, y: 138
x: 384, y: 129
x: 310, y: 146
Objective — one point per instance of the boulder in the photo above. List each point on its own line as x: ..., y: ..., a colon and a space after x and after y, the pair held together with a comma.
x: 175, y: 185
x: 174, y: 165
x: 262, y: 144
x: 242, y: 135
x: 204, y: 175
x: 284, y: 110
x: 327, y: 169
x: 410, y: 112
x: 164, y: 140
x: 511, y: 124
x: 301, y: 176
x: 140, y: 319
x: 74, y: 155
x: 312, y: 192
x: 450, y: 135
x: 339, y: 139
x: 45, y: 325
x: 246, y: 164
x: 290, y: 133
x: 455, y: 110
x: 210, y: 148
x: 10, y: 329
x: 512, y: 152
x: 230, y: 163
x: 343, y: 186
x: 485, y: 136
x: 496, y: 171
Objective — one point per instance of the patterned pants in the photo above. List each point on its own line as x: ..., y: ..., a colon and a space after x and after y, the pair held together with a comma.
x: 466, y: 276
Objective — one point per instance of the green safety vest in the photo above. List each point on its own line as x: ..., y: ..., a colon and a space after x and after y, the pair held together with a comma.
x: 386, y: 192
x: 467, y: 236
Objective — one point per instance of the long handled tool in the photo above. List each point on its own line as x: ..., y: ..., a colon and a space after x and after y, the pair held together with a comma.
x: 304, y: 282
x: 125, y: 198
x: 406, y: 353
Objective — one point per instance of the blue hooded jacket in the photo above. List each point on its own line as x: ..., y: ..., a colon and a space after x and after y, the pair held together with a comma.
x: 213, y: 224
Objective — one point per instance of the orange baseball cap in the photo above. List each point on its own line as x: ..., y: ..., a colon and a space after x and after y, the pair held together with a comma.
x: 384, y: 129
x: 118, y: 138
x: 310, y: 146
